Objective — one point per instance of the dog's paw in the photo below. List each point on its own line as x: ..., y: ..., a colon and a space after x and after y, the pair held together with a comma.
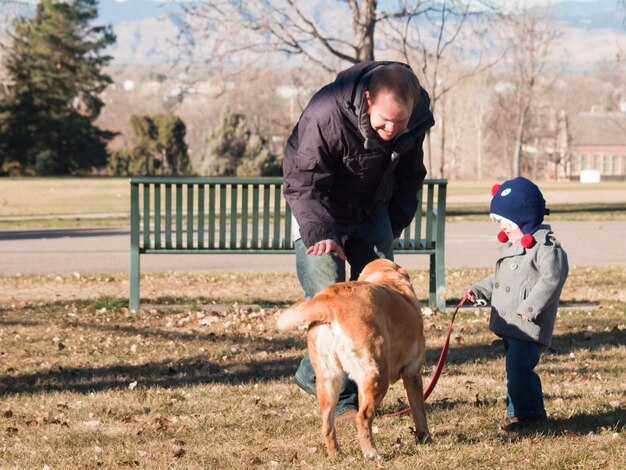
x: 424, y: 438
x: 372, y: 455
x: 421, y: 437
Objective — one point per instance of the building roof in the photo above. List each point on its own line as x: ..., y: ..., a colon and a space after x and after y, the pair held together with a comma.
x: 598, y: 129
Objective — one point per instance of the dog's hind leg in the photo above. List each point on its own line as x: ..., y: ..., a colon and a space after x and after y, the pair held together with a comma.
x: 371, y: 392
x: 328, y: 388
x: 328, y: 380
x: 415, y: 394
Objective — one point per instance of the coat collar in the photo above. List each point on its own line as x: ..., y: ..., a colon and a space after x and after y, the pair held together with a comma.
x: 541, y: 236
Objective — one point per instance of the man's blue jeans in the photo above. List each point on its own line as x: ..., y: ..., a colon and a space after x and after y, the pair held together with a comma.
x: 524, y: 396
x: 365, y: 242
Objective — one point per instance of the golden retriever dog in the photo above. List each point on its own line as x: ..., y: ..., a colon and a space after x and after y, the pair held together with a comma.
x: 372, y: 330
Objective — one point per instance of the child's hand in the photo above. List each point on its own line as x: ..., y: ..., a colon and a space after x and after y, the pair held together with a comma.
x: 471, y: 296
x: 525, y: 318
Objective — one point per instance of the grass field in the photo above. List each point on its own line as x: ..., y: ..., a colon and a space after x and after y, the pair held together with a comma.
x: 81, y: 202
x: 202, y: 379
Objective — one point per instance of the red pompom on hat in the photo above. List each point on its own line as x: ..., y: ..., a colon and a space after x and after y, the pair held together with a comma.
x: 528, y: 241
x: 494, y: 189
x: 502, y: 237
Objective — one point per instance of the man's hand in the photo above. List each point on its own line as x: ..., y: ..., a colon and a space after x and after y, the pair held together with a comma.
x: 324, y: 247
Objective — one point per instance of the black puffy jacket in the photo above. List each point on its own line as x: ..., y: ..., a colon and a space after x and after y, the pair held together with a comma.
x: 336, y: 169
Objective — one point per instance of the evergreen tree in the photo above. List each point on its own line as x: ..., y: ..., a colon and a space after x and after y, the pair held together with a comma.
x: 161, y: 149
x: 233, y: 150
x: 171, y: 144
x: 55, y: 63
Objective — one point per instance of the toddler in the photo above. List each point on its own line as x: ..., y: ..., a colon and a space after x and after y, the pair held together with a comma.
x: 524, y: 293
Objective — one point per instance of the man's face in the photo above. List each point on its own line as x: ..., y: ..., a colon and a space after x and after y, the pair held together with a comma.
x: 387, y: 117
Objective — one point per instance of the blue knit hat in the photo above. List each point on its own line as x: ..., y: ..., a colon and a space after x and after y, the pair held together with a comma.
x: 520, y: 201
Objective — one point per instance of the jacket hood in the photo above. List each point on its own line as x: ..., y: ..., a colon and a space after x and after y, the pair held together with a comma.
x: 350, y: 87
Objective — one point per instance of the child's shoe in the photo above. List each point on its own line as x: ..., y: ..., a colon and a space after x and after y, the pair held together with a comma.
x: 513, y: 423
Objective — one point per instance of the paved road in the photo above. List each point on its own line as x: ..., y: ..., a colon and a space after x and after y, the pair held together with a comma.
x: 106, y: 250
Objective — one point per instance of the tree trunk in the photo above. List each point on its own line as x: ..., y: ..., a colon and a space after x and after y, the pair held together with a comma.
x: 364, y: 23
x: 442, y: 159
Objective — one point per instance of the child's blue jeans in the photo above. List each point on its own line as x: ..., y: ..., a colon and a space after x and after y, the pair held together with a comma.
x: 365, y: 243
x: 524, y: 396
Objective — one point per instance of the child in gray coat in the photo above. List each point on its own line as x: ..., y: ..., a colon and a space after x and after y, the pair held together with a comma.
x: 524, y: 294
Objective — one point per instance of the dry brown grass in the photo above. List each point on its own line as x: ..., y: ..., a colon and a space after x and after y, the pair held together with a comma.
x: 201, y: 379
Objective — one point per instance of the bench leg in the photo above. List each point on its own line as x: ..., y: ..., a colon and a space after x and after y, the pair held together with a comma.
x: 134, y: 280
x: 134, y: 247
x: 437, y: 284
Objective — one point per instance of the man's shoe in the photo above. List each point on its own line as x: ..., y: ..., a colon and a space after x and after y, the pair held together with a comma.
x: 513, y: 423
x: 346, y: 416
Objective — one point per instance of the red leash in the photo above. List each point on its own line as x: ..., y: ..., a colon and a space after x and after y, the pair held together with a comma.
x: 440, y: 363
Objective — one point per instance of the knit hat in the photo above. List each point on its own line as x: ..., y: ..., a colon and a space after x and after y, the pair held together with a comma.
x: 520, y: 201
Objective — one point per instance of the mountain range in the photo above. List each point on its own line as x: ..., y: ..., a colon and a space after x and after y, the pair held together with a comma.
x: 591, y: 31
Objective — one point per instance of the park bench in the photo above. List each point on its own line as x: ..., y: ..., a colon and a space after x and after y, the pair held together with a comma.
x: 192, y: 215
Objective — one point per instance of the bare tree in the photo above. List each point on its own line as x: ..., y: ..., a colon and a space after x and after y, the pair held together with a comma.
x: 443, y: 43
x: 316, y: 31
x: 532, y: 34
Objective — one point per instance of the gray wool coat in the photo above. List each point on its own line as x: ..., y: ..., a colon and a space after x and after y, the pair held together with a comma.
x: 526, y: 282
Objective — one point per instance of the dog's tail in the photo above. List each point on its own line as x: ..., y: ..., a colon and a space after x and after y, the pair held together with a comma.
x: 307, y: 311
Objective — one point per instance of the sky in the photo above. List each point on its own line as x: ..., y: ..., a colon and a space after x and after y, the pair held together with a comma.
x: 112, y: 11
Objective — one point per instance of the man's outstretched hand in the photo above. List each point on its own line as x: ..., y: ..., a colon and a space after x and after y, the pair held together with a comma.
x: 324, y: 247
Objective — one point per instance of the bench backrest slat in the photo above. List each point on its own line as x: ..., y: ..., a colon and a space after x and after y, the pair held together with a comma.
x: 255, y: 215
x: 211, y: 216
x: 277, y: 215
x: 146, y: 215
x: 266, y: 217
x: 157, y: 216
x: 417, y: 220
x: 179, y: 216
x: 190, y: 215
x: 428, y: 236
x: 222, y: 231
x: 168, y: 216
x: 233, y: 216
x: 201, y: 196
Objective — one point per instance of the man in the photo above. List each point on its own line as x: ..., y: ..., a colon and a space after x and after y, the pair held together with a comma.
x: 352, y: 169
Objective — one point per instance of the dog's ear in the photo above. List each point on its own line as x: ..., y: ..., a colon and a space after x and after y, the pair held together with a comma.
x: 403, y: 271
